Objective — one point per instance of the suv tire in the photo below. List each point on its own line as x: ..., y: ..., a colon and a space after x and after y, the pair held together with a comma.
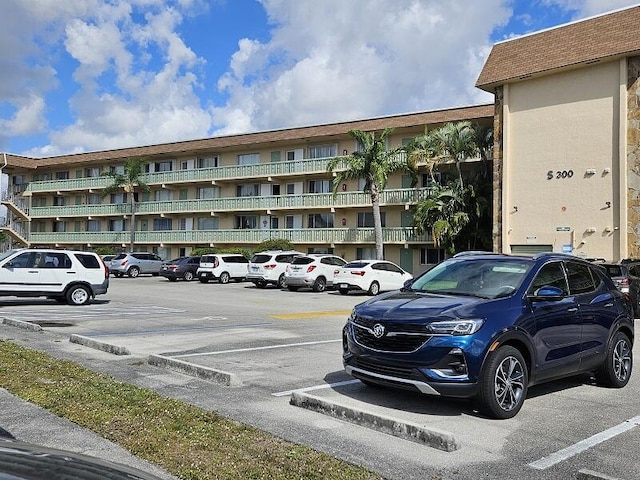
x: 133, y: 272
x: 616, y: 369
x: 374, y: 289
x: 282, y: 281
x: 503, y: 384
x: 319, y: 285
x: 224, y: 277
x: 78, y: 295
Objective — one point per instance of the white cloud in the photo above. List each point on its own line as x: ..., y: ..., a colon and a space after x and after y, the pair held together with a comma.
x: 335, y: 60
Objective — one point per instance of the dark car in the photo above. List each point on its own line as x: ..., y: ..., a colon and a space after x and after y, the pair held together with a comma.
x: 626, y: 276
x: 180, y: 268
x: 26, y: 461
x: 489, y: 326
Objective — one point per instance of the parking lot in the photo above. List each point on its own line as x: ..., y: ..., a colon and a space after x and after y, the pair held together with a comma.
x: 275, y: 344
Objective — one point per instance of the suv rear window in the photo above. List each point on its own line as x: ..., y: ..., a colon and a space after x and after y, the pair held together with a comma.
x: 302, y: 261
x: 613, y: 270
x: 260, y: 258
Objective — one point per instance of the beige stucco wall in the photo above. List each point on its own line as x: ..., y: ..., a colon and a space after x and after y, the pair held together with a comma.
x: 565, y: 125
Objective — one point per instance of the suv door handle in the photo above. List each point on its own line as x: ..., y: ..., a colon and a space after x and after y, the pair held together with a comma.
x: 572, y: 309
x: 608, y: 305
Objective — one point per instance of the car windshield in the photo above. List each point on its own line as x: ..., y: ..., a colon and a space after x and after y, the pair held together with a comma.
x: 482, y: 277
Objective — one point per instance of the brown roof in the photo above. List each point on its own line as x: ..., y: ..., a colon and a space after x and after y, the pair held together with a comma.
x: 605, y: 37
x: 274, y: 137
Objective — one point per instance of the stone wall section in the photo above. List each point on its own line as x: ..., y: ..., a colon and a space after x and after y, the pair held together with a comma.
x: 498, y: 130
x: 633, y: 157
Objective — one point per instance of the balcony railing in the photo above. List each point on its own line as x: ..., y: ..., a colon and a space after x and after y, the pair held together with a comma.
x: 326, y: 236
x: 234, y: 204
x: 229, y: 172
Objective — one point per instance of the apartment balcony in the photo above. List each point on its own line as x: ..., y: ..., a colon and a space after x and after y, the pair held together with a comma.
x: 405, y: 196
x: 260, y: 171
x: 323, y: 236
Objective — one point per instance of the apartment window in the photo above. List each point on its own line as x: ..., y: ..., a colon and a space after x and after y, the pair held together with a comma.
x: 182, y: 224
x: 247, y: 190
x: 118, y: 198
x: 248, y: 159
x: 93, y: 225
x: 321, y: 220
x: 320, y: 186
x: 62, y: 175
x: 274, y: 223
x: 118, y: 225
x: 208, y: 192
x: 365, y: 219
x: 291, y: 188
x: 365, y: 253
x: 38, y: 227
x: 275, y: 156
x: 42, y: 177
x: 207, y: 162
x: 94, y: 199
x: 162, y: 224
x: 291, y: 155
x: 288, y: 221
x: 208, y: 223
x: 92, y: 172
x: 116, y: 169
x: 431, y: 256
x: 162, y: 195
x: 163, y: 166
x: 184, y: 165
x: 246, y: 222
x: 440, y: 178
x: 59, y: 226
x: 323, y: 151
x: 59, y: 201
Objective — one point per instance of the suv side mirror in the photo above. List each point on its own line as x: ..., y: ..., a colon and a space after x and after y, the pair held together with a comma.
x: 547, y: 293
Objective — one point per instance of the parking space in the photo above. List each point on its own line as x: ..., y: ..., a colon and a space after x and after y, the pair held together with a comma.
x: 280, y: 342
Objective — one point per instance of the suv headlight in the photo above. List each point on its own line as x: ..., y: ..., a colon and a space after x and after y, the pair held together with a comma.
x: 456, y: 327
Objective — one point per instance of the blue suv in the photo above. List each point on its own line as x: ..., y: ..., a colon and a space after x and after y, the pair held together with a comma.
x: 488, y: 326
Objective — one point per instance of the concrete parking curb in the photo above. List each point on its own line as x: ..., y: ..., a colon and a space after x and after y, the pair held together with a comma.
x: 585, y: 474
x: 24, y: 325
x: 394, y: 426
x: 217, y: 376
x: 105, y: 347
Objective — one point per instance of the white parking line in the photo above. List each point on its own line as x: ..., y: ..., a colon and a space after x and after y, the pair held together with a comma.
x: 316, y: 387
x: 565, y: 453
x: 254, y: 349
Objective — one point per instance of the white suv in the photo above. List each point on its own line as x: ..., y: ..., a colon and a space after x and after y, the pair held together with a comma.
x: 222, y: 267
x: 268, y: 267
x: 314, y: 271
x: 68, y: 276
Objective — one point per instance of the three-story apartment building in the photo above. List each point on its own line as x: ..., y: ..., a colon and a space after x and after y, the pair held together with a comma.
x: 227, y: 191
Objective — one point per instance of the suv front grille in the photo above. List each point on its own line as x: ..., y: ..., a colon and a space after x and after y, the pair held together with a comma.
x: 398, y: 337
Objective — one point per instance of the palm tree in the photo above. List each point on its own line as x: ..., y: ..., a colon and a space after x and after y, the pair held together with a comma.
x: 483, y: 137
x: 456, y: 141
x: 131, y: 183
x: 424, y: 149
x: 374, y: 163
x: 444, y: 213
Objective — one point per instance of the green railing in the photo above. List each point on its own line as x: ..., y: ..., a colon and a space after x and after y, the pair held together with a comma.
x: 229, y: 172
x: 391, y: 235
x: 281, y: 202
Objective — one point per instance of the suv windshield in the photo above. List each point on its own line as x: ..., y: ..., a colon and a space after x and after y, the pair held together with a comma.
x: 483, y: 277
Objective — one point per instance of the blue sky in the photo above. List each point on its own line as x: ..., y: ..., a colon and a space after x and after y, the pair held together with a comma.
x: 88, y: 75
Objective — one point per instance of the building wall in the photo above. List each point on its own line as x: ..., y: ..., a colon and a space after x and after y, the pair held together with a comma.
x: 562, y: 162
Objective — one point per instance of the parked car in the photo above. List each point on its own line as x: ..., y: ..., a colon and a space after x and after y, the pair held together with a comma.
x: 626, y: 276
x: 21, y: 461
x: 315, y: 271
x: 107, y: 258
x: 68, y: 276
x: 136, y: 263
x: 180, y: 268
x: 222, y: 267
x: 490, y: 326
x: 268, y: 267
x: 372, y: 276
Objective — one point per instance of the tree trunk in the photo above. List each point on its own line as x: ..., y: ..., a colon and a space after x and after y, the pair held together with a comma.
x: 132, y: 228
x: 377, y: 221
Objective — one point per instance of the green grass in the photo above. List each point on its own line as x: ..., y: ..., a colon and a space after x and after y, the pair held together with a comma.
x: 187, y: 441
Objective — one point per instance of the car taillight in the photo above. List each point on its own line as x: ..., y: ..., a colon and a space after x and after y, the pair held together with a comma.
x: 123, y: 262
x: 106, y: 269
x: 360, y: 273
x: 311, y: 268
x: 270, y: 266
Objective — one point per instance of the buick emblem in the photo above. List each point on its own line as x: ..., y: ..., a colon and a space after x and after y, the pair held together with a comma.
x: 378, y: 330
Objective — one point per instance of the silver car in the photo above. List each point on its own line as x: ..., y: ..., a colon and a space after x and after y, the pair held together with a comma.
x: 135, y: 263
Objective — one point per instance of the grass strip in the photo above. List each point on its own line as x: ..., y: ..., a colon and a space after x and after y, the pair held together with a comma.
x: 187, y: 441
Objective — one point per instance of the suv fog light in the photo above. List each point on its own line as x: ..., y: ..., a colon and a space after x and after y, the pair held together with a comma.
x: 453, y: 366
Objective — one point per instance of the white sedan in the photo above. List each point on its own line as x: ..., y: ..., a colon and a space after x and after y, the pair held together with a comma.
x: 372, y: 276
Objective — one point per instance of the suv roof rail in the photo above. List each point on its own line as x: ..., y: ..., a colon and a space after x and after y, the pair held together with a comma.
x: 475, y: 252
